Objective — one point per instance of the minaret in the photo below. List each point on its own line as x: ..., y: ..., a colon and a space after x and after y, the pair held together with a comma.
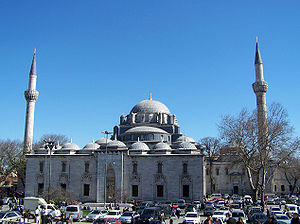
x: 260, y: 88
x: 31, y: 96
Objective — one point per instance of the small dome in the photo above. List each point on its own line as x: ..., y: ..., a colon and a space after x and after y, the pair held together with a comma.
x: 102, y: 141
x: 139, y: 146
x: 184, y: 139
x: 70, y: 145
x: 146, y: 129
x: 116, y: 144
x: 186, y: 145
x: 150, y: 106
x: 92, y: 146
x: 161, y: 145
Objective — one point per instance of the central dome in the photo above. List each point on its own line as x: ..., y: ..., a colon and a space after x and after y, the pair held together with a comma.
x: 150, y: 106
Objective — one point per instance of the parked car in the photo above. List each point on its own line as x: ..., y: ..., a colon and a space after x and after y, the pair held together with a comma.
x: 181, y: 203
x: 208, y: 211
x: 95, y: 214
x: 153, y: 212
x: 258, y: 218
x: 106, y: 221
x: 283, y: 219
x: 219, y: 214
x: 238, y: 213
x: 129, y: 217
x: 192, y: 217
x: 9, y: 216
x: 113, y: 214
x: 74, y: 211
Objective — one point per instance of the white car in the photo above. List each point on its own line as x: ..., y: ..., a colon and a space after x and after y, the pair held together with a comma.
x: 113, y: 214
x: 283, y: 219
x: 220, y: 215
x: 237, y: 213
x: 10, y: 216
x: 192, y: 217
x: 95, y: 214
x: 52, y: 210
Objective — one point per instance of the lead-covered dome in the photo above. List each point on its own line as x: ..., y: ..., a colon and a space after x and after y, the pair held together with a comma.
x: 70, y: 146
x: 116, y: 144
x: 91, y: 146
x: 161, y: 145
x: 102, y: 141
x: 184, y: 139
x: 139, y: 146
x: 150, y: 106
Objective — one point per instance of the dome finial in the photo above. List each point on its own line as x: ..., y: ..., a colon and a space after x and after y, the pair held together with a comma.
x: 150, y: 96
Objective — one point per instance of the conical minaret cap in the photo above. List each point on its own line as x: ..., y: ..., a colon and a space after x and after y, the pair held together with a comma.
x: 257, y: 54
x: 33, y: 65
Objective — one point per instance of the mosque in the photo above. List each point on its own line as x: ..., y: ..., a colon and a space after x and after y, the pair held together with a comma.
x: 146, y: 157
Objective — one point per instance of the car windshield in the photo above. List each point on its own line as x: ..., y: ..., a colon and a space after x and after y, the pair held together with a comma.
x: 127, y: 214
x: 275, y: 209
x: 237, y: 214
x: 191, y: 215
x: 96, y: 212
x: 260, y: 216
x: 282, y: 217
x: 71, y: 209
x: 292, y: 208
x: 218, y: 213
x: 148, y: 212
x: 2, y: 214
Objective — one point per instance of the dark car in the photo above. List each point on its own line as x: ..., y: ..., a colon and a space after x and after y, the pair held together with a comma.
x: 208, y: 211
x: 151, y: 212
x: 258, y: 218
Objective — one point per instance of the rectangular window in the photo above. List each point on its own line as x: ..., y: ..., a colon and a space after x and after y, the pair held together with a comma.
x: 40, y: 188
x: 275, y: 188
x: 185, y: 168
x: 160, y: 191
x: 63, y: 187
x: 63, y: 167
x: 217, y: 171
x: 86, y: 190
x: 282, y: 188
x: 135, y: 190
x: 207, y: 171
x: 134, y: 168
x: 186, y: 191
x: 86, y: 167
x: 41, y: 167
x: 290, y: 187
x: 226, y: 171
x: 159, y: 168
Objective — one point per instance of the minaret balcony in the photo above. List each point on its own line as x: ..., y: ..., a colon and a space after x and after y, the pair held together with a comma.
x: 31, y: 95
x: 260, y: 87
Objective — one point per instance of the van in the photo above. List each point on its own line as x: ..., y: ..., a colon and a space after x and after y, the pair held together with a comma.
x: 74, y: 211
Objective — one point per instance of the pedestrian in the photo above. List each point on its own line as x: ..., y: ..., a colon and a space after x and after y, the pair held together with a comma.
x: 171, y: 221
x: 208, y: 220
x: 240, y: 221
x: 269, y: 220
x: 36, y: 215
x: 295, y: 219
x: 230, y: 220
x: 70, y: 220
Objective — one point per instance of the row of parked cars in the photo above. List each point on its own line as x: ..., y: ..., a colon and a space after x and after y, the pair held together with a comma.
x: 218, y: 208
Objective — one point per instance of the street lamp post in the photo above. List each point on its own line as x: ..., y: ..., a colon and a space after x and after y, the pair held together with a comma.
x: 49, y: 145
x: 106, y: 133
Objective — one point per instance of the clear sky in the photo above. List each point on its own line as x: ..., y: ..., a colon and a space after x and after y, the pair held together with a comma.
x: 97, y: 59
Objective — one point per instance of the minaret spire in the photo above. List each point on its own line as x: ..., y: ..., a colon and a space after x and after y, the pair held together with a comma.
x: 31, y: 96
x: 260, y: 88
x: 150, y: 96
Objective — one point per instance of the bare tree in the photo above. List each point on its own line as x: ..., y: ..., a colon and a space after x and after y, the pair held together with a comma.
x: 57, y: 138
x: 11, y: 158
x: 291, y: 170
x: 211, y: 147
x: 259, y: 159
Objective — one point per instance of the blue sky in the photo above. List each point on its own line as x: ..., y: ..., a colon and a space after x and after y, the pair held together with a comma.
x: 97, y: 59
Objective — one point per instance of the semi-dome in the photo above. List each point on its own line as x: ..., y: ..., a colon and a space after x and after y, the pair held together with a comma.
x: 186, y: 145
x: 185, y: 139
x: 139, y: 146
x: 70, y: 146
x: 145, y: 129
x: 116, y: 144
x: 102, y: 141
x: 91, y: 146
x: 161, y: 145
x: 150, y: 106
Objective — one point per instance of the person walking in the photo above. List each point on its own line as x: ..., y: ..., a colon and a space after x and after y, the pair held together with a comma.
x: 208, y: 220
x: 295, y: 219
x: 240, y: 221
x: 230, y: 220
x: 37, y: 215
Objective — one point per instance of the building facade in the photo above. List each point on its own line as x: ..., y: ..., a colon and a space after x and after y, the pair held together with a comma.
x: 147, y: 158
